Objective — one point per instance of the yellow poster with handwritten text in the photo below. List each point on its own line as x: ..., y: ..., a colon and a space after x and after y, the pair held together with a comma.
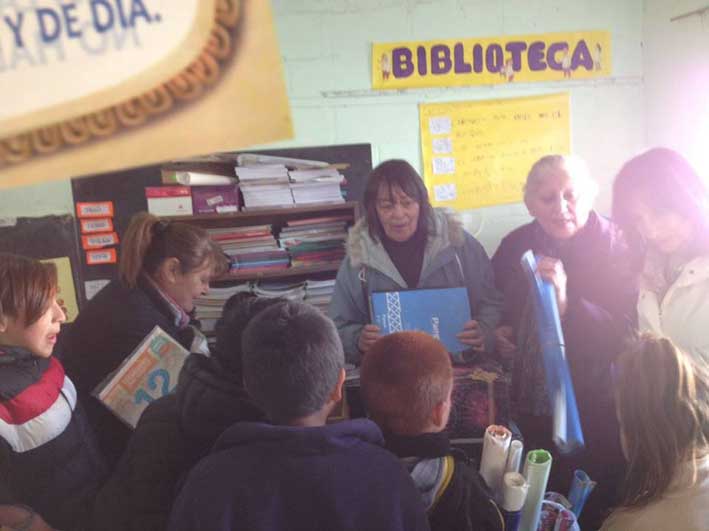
x: 478, y: 153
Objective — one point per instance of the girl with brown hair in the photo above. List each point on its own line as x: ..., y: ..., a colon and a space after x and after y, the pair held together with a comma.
x: 663, y: 410
x: 164, y: 266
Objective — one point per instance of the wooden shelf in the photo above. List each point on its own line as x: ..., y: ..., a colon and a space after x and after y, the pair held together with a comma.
x: 281, y: 273
x: 320, y: 210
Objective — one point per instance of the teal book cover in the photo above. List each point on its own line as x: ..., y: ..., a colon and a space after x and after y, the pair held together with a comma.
x: 440, y: 312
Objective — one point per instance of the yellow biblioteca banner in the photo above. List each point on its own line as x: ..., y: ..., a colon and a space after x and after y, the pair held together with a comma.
x: 494, y: 60
x: 478, y: 153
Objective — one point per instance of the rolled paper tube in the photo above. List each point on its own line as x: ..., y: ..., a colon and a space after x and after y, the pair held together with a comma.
x: 514, y: 491
x: 581, y: 487
x: 514, y: 456
x: 494, y: 458
x: 567, y: 433
x: 536, y: 471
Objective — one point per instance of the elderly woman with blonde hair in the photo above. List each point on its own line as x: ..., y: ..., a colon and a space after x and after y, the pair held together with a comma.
x: 585, y: 258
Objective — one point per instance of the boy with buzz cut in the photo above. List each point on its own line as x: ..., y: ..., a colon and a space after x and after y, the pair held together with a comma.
x: 297, y: 472
x: 406, y: 384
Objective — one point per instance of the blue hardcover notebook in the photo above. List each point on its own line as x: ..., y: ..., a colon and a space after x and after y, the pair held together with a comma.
x: 439, y: 312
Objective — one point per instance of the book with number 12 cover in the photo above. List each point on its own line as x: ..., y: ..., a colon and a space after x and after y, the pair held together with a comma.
x: 441, y: 313
x: 149, y: 373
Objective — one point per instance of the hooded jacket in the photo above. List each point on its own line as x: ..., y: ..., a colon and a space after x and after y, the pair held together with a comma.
x: 48, y: 456
x: 452, y: 258
x: 328, y: 478
x: 173, y: 433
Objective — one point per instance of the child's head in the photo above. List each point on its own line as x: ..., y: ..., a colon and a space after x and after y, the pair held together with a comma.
x: 406, y: 380
x: 29, y: 314
x: 663, y: 408
x: 179, y: 257
x: 293, y: 362
x: 238, y: 311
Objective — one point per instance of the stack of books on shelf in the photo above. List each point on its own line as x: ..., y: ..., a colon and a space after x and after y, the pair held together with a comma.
x: 250, y: 249
x: 212, y: 187
x: 208, y: 308
x: 316, y: 186
x: 315, y: 241
x: 319, y: 292
x: 294, y: 291
x: 264, y: 186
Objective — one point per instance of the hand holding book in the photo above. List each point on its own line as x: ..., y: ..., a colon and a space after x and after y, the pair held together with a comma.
x: 472, y: 335
x: 370, y: 333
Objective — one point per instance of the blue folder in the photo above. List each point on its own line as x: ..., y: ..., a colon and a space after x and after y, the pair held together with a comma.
x: 441, y: 313
x: 567, y: 435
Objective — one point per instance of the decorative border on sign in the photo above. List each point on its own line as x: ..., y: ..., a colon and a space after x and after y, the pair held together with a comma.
x: 186, y: 86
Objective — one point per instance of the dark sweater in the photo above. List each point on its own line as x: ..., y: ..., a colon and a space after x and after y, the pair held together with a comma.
x: 104, y: 334
x: 456, y: 496
x: 173, y: 433
x: 330, y: 478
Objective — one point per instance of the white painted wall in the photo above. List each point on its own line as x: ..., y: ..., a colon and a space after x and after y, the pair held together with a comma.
x: 676, y: 69
x: 325, y: 46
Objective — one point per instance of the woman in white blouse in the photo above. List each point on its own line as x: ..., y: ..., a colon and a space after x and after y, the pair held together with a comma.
x: 663, y: 206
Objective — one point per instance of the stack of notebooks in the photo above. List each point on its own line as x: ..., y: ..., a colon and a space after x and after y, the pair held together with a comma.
x: 213, y: 186
x: 319, y: 292
x: 316, y: 186
x: 208, y: 308
x: 294, y: 291
x: 250, y: 249
x: 315, y: 241
x: 264, y: 186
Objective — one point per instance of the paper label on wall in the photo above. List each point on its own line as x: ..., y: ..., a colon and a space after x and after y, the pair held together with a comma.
x: 493, y: 145
x: 443, y: 165
x: 439, y: 125
x: 66, y: 292
x: 442, y: 145
x: 444, y: 192
x: 92, y: 287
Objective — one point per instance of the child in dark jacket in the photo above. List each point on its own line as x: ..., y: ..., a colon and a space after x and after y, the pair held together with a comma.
x: 179, y: 429
x: 48, y: 457
x: 297, y: 473
x: 406, y: 383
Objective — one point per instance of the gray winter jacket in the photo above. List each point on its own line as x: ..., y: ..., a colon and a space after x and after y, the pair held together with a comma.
x: 452, y: 258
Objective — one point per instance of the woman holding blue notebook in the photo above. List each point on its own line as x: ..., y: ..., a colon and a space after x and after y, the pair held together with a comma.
x: 402, y: 243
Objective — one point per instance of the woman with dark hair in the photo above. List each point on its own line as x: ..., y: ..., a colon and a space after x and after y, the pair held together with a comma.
x: 164, y: 266
x: 663, y: 205
x: 402, y: 242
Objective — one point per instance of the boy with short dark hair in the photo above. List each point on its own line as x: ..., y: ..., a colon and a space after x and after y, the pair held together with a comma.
x: 406, y: 383
x: 298, y: 472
